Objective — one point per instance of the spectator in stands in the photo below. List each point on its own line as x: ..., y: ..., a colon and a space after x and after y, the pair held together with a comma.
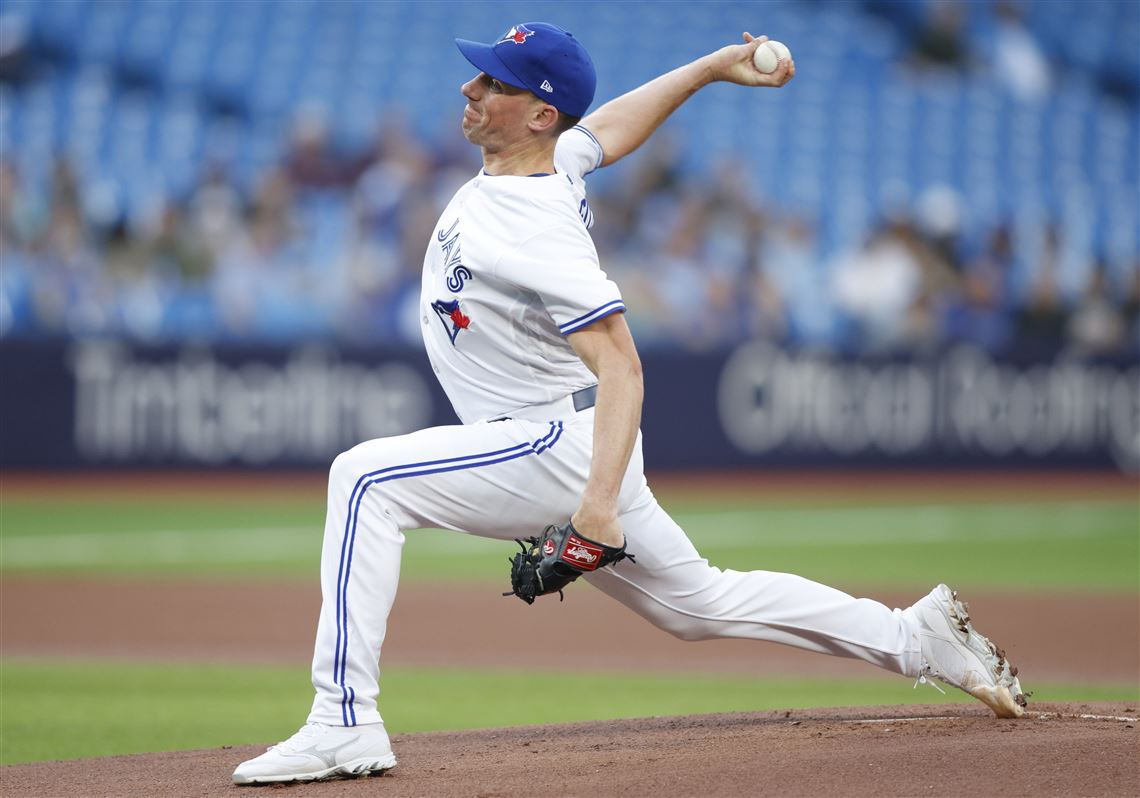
x: 742, y: 299
x: 1019, y: 62
x: 16, y: 58
x: 255, y: 285
x: 1042, y: 320
x: 389, y: 203
x: 17, y: 213
x: 788, y: 258
x: 389, y: 198
x: 877, y: 284
x: 979, y: 311
x: 685, y: 293
x: 215, y: 210
x: 938, y: 225
x: 17, y: 224
x: 1130, y: 310
x: 1097, y: 325
x: 892, y: 289
x: 67, y: 232
x: 940, y: 42
x: 935, y: 240
x: 159, y: 245
x: 176, y: 252
x: 68, y: 290
x: 654, y: 187
x: 311, y: 163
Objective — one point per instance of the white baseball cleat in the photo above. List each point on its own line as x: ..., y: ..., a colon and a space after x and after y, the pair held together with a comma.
x: 320, y: 751
x: 954, y: 652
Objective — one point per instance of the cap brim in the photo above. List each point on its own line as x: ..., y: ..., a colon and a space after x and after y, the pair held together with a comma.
x: 482, y: 57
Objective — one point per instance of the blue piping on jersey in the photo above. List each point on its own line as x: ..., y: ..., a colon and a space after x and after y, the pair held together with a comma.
x: 536, y: 174
x: 594, y: 315
x: 340, y: 658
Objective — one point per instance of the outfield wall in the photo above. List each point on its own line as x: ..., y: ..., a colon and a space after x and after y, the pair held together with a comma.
x: 102, y: 404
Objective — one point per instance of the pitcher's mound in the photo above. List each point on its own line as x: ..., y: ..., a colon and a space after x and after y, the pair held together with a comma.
x: 1057, y: 749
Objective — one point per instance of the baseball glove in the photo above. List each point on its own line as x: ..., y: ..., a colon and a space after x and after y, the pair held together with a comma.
x: 547, y: 564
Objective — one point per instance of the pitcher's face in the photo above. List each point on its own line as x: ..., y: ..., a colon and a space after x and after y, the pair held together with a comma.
x: 497, y: 113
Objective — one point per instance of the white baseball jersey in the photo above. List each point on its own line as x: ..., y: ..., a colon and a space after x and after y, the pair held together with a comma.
x: 510, y: 271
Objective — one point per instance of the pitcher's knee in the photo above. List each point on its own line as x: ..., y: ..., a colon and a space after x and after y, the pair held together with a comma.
x: 356, y: 464
x: 355, y: 472
x: 684, y: 627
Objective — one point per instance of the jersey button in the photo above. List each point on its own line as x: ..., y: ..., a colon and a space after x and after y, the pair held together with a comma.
x: 425, y: 319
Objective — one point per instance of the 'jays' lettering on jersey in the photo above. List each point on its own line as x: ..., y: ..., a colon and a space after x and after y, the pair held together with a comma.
x: 510, y: 271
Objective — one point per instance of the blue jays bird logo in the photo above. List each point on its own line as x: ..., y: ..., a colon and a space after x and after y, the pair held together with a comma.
x: 451, y: 317
x: 518, y: 34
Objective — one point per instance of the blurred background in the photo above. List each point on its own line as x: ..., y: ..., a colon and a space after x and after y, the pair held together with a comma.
x: 925, y: 248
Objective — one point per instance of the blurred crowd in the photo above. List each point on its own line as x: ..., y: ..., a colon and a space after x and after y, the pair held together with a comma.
x: 329, y: 245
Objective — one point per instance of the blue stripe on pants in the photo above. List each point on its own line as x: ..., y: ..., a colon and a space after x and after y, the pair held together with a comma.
x: 340, y: 658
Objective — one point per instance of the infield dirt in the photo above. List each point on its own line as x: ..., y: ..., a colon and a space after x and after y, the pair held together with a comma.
x: 866, y: 751
x: 945, y: 750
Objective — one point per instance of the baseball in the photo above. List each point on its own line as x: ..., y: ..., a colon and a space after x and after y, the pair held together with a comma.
x: 768, y: 56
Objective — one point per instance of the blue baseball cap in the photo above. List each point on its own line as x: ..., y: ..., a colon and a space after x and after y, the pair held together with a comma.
x: 542, y: 58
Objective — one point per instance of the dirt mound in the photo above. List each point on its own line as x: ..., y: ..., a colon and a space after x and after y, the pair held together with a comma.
x: 1087, y: 749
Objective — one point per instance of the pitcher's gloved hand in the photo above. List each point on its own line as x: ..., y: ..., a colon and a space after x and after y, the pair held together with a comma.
x: 561, y: 555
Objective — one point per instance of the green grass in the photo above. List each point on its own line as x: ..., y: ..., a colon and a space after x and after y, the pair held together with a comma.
x: 58, y: 710
x: 64, y: 709
x: 1090, y: 544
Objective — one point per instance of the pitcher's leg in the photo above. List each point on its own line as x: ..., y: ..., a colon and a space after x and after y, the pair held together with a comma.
x: 676, y: 589
x: 360, y: 569
x: 490, y: 479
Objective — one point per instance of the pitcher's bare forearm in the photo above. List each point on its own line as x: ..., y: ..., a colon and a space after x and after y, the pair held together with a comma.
x: 607, y: 348
x: 625, y: 123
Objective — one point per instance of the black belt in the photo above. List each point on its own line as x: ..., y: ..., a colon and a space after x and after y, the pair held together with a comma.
x: 583, y: 400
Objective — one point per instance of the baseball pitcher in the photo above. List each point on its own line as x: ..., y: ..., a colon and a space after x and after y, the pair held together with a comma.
x: 529, y: 340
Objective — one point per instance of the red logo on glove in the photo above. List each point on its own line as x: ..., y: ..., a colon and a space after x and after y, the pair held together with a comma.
x: 582, y: 554
x: 548, y: 547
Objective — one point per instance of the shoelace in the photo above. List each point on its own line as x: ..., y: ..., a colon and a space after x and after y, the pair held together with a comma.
x: 923, y: 680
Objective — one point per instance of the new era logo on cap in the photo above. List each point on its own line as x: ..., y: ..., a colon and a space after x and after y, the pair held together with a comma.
x: 546, y: 86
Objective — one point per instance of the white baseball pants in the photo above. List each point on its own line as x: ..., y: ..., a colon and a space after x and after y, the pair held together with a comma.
x: 508, y: 479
